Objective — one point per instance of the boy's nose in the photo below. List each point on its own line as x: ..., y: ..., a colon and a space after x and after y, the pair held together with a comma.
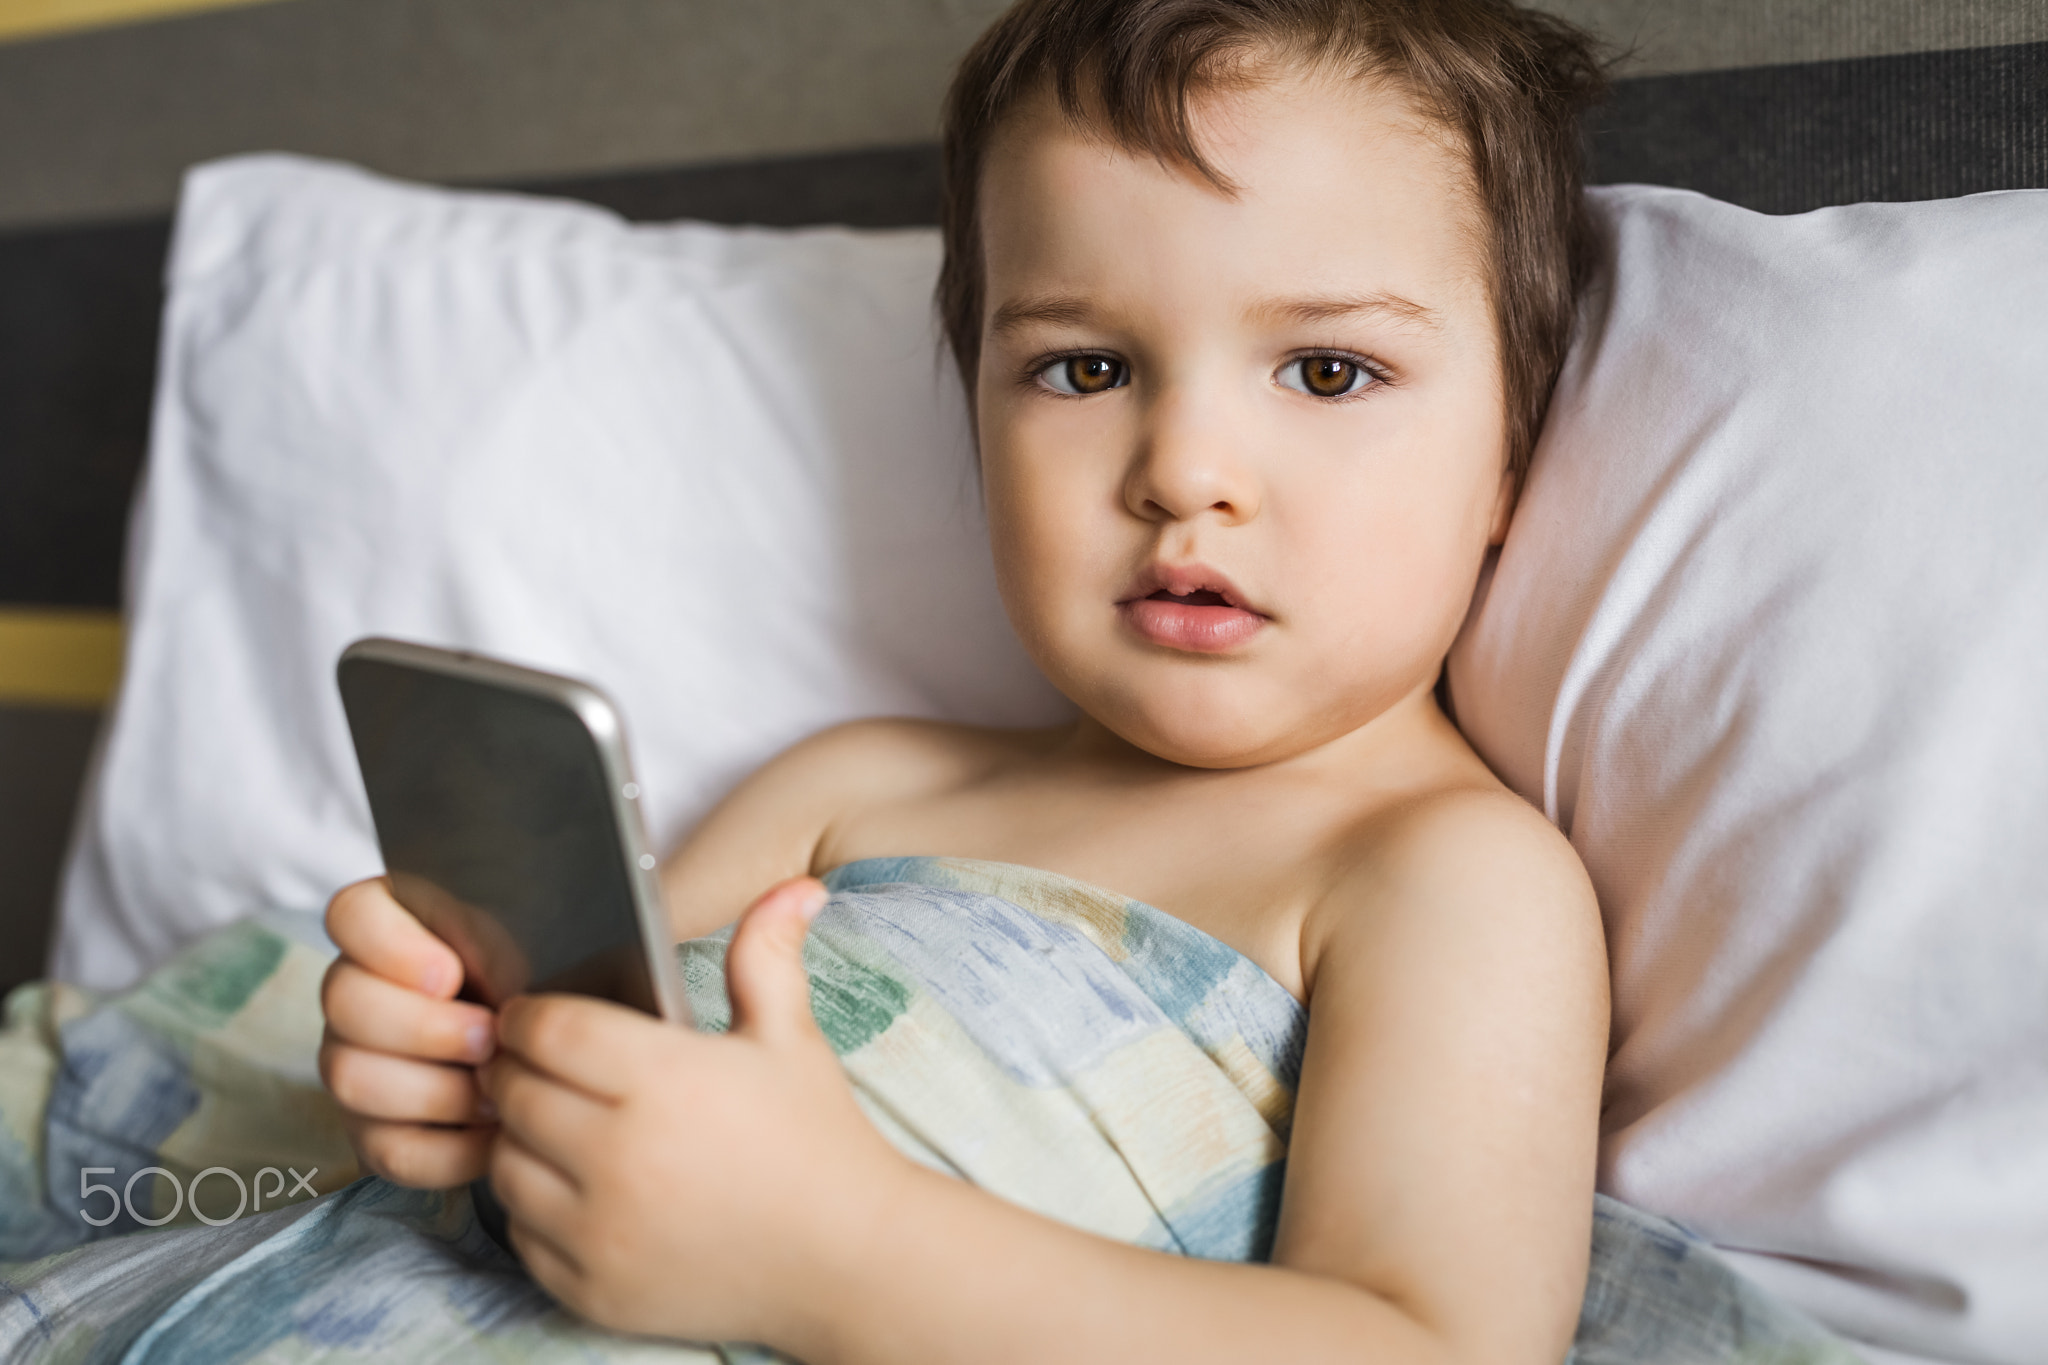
x: 1188, y: 464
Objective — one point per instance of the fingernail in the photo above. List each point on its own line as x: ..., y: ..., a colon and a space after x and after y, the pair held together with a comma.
x: 476, y: 1041
x: 813, y: 902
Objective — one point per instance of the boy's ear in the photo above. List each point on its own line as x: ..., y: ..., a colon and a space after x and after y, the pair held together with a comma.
x: 1503, y: 507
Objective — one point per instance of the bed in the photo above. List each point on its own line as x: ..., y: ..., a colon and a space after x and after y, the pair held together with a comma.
x: 1825, y: 922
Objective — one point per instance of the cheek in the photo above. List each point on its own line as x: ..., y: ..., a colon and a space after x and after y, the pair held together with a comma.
x: 1388, y: 556
x: 1042, y: 534
x: 1016, y: 546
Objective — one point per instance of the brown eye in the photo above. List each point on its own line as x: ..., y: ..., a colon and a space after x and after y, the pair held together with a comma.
x: 1084, y: 374
x: 1325, y: 376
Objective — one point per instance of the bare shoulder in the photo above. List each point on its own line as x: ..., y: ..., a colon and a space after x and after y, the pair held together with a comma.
x: 1482, y: 837
x: 1465, y: 866
x: 895, y: 758
x: 774, y: 823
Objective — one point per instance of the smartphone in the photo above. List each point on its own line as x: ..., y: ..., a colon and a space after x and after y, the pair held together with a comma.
x: 509, y: 821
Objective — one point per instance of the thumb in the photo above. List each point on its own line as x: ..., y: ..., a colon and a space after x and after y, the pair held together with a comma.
x: 764, y: 967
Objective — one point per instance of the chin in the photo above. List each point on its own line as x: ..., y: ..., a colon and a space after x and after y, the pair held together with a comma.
x: 1201, y: 711
x: 1203, y: 731
x: 1215, y: 758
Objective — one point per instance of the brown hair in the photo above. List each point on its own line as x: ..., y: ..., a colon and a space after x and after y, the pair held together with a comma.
x: 1509, y: 82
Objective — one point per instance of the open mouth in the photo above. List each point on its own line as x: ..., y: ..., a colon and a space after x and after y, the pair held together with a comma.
x: 1191, y: 608
x: 1200, y: 597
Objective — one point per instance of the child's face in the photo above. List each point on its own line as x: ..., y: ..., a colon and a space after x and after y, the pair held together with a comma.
x: 1284, y: 406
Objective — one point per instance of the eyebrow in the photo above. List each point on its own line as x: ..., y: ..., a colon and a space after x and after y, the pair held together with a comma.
x: 1072, y: 310
x: 1056, y: 309
x: 1313, y: 310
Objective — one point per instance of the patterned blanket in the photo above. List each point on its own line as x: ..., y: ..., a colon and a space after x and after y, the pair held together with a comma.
x: 1077, y: 1052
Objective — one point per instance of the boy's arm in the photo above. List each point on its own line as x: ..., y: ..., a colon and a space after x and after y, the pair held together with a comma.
x: 1446, y: 1132
x: 1439, y: 1189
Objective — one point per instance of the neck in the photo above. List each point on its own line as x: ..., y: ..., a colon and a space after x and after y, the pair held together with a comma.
x: 1411, y: 725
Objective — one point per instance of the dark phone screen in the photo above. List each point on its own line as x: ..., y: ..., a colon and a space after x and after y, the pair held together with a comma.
x: 494, y: 814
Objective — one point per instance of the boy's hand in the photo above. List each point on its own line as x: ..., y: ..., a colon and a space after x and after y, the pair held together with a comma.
x: 400, y: 1050
x: 667, y: 1182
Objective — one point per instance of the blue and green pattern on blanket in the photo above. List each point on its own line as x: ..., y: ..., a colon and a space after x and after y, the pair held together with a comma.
x: 1078, y: 1052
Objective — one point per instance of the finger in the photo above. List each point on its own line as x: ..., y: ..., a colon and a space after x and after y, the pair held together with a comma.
x: 378, y: 1085
x: 533, y: 1189
x: 559, y: 1123
x: 421, y: 1158
x: 375, y: 1012
x: 590, y: 1044
x: 554, y: 1269
x: 368, y: 924
x: 764, y: 967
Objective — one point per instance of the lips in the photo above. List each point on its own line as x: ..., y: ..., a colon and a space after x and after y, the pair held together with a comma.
x: 1189, y: 607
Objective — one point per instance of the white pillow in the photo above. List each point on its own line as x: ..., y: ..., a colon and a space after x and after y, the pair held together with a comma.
x: 1769, y: 640
x: 724, y: 473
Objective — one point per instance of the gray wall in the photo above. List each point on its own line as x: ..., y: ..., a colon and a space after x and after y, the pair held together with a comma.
x: 99, y: 124
x: 1708, y: 35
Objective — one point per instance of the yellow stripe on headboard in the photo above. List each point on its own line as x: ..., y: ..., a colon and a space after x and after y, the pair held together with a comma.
x: 58, y: 658
x: 37, y: 18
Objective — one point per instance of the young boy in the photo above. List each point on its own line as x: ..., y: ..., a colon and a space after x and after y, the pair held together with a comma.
x: 1259, y: 303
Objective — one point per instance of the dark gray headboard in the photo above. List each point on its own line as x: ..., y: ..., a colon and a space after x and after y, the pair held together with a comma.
x: 1785, y: 139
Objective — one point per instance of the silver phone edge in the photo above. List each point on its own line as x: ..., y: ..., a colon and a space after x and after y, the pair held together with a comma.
x: 601, y: 719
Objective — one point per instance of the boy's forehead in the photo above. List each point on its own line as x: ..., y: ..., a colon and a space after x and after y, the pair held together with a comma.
x: 1337, y: 184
